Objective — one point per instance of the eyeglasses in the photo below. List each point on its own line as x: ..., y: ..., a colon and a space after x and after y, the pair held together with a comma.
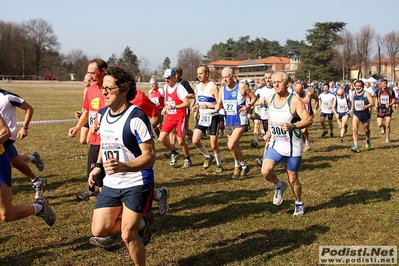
x: 108, y: 89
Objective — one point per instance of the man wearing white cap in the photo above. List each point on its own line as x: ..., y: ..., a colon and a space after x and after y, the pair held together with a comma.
x: 176, y: 104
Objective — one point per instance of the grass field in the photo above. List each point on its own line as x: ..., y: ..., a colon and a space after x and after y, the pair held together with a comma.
x: 351, y: 199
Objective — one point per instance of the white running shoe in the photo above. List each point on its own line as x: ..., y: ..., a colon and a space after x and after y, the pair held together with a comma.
x: 299, y: 209
x: 278, y: 194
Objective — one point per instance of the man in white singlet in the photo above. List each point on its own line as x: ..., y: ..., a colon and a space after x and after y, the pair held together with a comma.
x: 287, y: 116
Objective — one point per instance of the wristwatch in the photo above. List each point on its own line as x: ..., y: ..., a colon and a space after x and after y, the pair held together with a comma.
x: 293, y: 126
x: 100, y: 165
x: 25, y: 127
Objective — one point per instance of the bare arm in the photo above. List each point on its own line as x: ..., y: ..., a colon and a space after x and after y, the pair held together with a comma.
x: 371, y: 101
x: 298, y: 108
x: 334, y: 105
x: 23, y: 132
x: 314, y: 97
x: 84, y: 118
x: 245, y: 90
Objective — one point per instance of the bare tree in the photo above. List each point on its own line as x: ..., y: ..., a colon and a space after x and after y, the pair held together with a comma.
x: 44, y: 42
x: 344, y: 51
x: 188, y: 60
x: 363, y: 45
x: 379, y: 43
x: 391, y: 42
x: 144, y: 65
x: 76, y: 62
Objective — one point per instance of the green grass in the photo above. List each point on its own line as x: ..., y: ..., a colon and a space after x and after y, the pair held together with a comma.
x: 351, y: 199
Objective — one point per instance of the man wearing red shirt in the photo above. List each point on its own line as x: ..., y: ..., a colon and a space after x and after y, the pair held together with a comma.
x: 93, y: 102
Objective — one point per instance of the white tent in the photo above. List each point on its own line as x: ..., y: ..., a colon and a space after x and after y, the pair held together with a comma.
x: 371, y: 79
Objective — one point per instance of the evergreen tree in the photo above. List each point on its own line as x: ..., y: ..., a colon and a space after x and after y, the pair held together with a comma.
x: 130, y: 62
x: 317, y: 57
x: 165, y: 64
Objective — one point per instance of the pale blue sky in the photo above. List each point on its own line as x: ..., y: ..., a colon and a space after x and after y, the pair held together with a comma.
x: 157, y: 29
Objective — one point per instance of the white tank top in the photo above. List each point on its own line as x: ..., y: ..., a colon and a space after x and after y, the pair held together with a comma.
x: 286, y: 143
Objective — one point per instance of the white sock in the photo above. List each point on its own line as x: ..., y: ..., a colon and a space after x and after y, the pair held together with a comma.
x: 38, y: 207
x: 218, y: 158
x: 31, y: 158
x: 204, y: 151
x: 237, y: 163
x: 299, y: 202
x: 243, y: 164
x: 279, y: 184
x: 142, y: 224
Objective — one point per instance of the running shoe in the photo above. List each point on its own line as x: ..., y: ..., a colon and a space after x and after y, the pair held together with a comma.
x: 145, y: 233
x: 187, y: 163
x: 38, y: 161
x: 163, y: 202
x: 86, y: 195
x: 259, y: 162
x: 167, y: 154
x: 355, y: 148
x: 102, y: 242
x: 173, y: 158
x: 208, y: 161
x: 237, y: 173
x: 331, y: 135
x: 218, y: 170
x: 244, y: 171
x: 254, y: 144
x: 324, y: 133
x: 279, y: 193
x: 46, y: 213
x: 299, y: 209
x: 38, y: 187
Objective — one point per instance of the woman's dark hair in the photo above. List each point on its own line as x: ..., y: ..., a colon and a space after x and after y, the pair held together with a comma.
x: 124, y: 80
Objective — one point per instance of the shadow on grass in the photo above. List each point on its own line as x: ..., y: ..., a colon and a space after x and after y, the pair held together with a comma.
x: 227, y: 206
x: 355, y: 197
x: 269, y: 243
x: 31, y: 256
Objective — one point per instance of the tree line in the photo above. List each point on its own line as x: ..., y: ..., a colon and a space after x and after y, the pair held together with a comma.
x: 31, y: 50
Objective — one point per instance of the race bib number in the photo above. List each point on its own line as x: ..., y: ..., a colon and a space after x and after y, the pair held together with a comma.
x: 384, y: 99
x: 326, y: 105
x: 278, y: 133
x: 171, y: 111
x: 92, y: 117
x: 205, y: 120
x: 155, y: 100
x: 110, y: 147
x: 359, y: 104
x: 230, y: 107
x: 341, y: 108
